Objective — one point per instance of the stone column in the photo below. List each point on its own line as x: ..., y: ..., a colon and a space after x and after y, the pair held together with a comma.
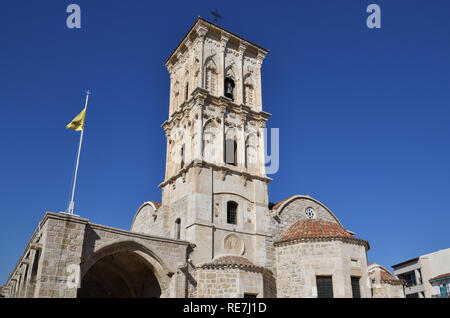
x: 199, y: 102
x: 261, y: 160
x: 172, y: 83
x: 188, y: 64
x: 242, y: 48
x: 242, y: 144
x: 24, y: 274
x: 201, y: 32
x: 258, y: 91
x: 220, y: 156
x: 221, y: 82
x: 30, y: 284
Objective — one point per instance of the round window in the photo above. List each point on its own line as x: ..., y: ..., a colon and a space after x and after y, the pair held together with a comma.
x: 309, y: 213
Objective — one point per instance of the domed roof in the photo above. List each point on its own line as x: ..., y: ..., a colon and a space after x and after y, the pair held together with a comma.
x: 306, y: 228
x: 317, y: 229
x: 230, y: 261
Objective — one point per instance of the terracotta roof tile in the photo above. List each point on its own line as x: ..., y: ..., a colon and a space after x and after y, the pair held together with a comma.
x: 317, y: 229
x: 384, y: 276
x: 231, y: 261
x: 441, y: 276
x: 314, y: 228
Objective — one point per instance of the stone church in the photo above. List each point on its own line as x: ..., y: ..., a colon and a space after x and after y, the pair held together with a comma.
x: 214, y: 232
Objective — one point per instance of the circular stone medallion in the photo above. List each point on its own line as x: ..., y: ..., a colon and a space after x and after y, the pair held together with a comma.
x: 233, y: 244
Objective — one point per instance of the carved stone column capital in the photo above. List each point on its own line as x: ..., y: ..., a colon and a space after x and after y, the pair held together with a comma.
x: 201, y: 31
x: 260, y: 57
x: 224, y: 38
x: 242, y: 47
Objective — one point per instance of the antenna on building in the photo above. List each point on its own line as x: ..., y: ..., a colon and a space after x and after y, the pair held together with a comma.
x: 216, y: 15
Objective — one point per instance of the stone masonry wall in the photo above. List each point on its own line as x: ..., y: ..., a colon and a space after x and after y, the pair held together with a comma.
x: 298, y: 264
x: 228, y: 283
x: 385, y: 290
x: 69, y: 244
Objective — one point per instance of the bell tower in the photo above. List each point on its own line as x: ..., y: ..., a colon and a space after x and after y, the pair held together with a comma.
x: 215, y: 189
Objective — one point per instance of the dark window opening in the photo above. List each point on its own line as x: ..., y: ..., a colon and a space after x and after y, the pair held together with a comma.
x: 356, y: 292
x: 186, y: 93
x: 324, y: 286
x: 229, y: 87
x: 410, y: 278
x: 178, y: 228
x: 232, y: 212
x: 250, y: 295
x: 182, y: 156
x: 231, y: 152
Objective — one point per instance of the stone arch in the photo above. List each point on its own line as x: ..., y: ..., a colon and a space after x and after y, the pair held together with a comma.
x: 233, y: 145
x: 210, y: 139
x: 142, y: 213
x: 283, y: 204
x: 138, y: 253
x: 211, y: 75
x: 249, y: 91
x: 251, y: 146
x: 231, y: 73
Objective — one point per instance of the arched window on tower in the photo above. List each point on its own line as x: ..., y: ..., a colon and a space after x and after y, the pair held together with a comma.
x: 231, y: 152
x: 178, y: 228
x: 211, y: 77
x: 186, y: 92
x: 249, y: 91
x: 229, y: 87
x: 232, y: 212
x: 250, y: 151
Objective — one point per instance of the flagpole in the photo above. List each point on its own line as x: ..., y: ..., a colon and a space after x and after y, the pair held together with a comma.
x: 72, y: 203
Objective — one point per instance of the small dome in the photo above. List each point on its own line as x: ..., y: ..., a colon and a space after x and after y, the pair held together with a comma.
x: 306, y: 229
x: 231, y: 261
x: 314, y: 229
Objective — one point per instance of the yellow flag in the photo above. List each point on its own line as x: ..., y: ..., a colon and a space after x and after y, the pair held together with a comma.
x: 78, y: 122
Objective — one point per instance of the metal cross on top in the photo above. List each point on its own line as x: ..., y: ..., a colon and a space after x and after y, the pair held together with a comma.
x: 216, y: 15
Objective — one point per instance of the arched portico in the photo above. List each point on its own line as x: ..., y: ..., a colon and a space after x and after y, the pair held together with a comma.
x: 123, y: 270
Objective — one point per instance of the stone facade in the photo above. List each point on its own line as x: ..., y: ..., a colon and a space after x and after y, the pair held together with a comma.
x: 384, y: 284
x: 65, y: 245
x: 298, y: 265
x: 214, y: 234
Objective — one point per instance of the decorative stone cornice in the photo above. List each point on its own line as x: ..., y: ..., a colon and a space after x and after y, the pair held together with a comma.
x: 242, y: 47
x: 36, y: 246
x: 200, y: 28
x: 200, y: 95
x: 261, y: 56
x: 349, y: 240
x: 222, y: 170
x: 224, y: 38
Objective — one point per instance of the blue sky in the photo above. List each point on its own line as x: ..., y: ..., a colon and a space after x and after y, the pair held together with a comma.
x: 363, y: 114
